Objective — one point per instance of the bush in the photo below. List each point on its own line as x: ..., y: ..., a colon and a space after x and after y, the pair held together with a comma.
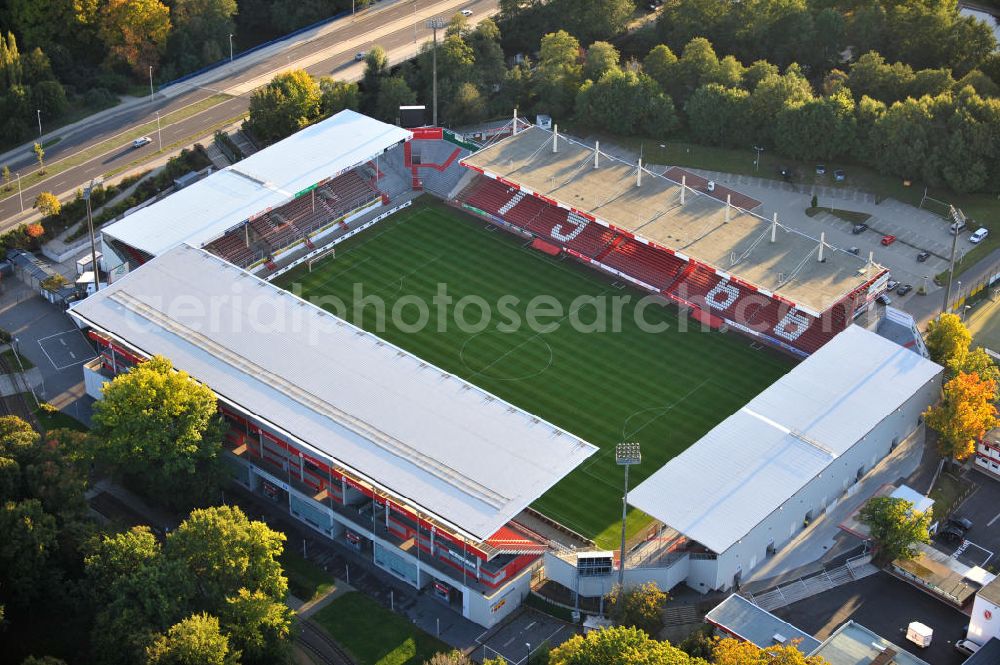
x: 5, y: 337
x: 100, y: 98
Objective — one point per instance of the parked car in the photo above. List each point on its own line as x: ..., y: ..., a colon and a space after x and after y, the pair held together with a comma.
x: 141, y: 141
x: 979, y: 235
x: 923, y: 256
x: 466, y: 12
x: 839, y: 175
x: 966, y: 647
x: 360, y: 55
x: 820, y: 169
x: 955, y: 227
x: 856, y: 251
x: 888, y: 239
x: 954, y: 530
x: 891, y: 285
x: 884, y: 300
x: 859, y: 228
x: 904, y: 289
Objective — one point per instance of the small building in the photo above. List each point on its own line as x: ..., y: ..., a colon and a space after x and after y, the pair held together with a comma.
x: 984, y: 623
x: 988, y: 454
x: 853, y: 644
x: 738, y: 617
x: 941, y: 575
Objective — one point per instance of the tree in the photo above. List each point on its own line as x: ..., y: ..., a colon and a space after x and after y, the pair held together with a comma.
x: 162, y: 426
x: 596, y: 19
x: 557, y: 77
x: 977, y: 362
x: 718, y: 115
x: 660, y: 64
x: 393, y: 93
x: 640, y: 606
x: 601, y: 57
x: 284, y: 106
x: 194, y: 641
x: 697, y: 66
x: 226, y: 552
x: 773, y: 95
x: 135, y: 33
x: 730, y: 651
x: 201, y: 31
x: 947, y: 339
x: 376, y: 70
x: 47, y: 204
x: 467, y: 105
x: 626, y: 103
x: 454, y: 657
x: 258, y: 626
x: 40, y: 156
x: 613, y: 646
x: 29, y: 539
x: 41, y: 660
x: 965, y: 413
x: 335, y: 96
x: 5, y: 175
x: 895, y: 527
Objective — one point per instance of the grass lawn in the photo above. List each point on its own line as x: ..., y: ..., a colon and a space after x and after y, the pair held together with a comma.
x: 984, y: 323
x: 947, y: 491
x: 375, y: 636
x: 57, y: 420
x: 11, y: 360
x: 664, y: 389
x: 306, y: 580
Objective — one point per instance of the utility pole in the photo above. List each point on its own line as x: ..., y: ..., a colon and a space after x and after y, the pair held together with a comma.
x: 39, y: 123
x: 626, y: 454
x: 958, y: 217
x: 151, y: 84
x: 19, y: 199
x: 230, y: 47
x: 435, y: 24
x: 93, y: 242
x: 414, y: 21
x: 159, y: 140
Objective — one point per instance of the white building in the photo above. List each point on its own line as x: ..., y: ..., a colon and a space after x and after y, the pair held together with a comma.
x: 763, y: 474
x: 984, y: 624
x: 988, y: 454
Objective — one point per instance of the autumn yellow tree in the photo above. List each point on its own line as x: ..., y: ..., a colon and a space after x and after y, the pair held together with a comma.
x: 135, y: 32
x: 47, y: 204
x: 947, y: 339
x: 965, y: 413
x: 738, y: 652
x: 638, y: 606
x: 978, y: 362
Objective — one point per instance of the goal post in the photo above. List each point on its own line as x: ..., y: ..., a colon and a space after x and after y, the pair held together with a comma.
x: 330, y: 253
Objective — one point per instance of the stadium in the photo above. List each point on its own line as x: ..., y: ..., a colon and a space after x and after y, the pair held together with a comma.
x: 471, y: 461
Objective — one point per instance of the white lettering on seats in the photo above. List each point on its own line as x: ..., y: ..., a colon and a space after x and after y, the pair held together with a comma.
x: 722, y: 295
x: 792, y: 326
x: 579, y: 224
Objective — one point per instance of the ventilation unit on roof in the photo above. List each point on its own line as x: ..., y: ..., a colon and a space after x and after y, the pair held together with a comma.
x: 779, y: 638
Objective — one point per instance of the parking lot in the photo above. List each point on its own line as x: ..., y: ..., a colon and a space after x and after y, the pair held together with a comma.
x: 982, y: 508
x: 885, y: 605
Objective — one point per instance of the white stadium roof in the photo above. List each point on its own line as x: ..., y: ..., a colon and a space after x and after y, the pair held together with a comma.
x: 426, y: 437
x: 202, y: 212
x: 720, y: 488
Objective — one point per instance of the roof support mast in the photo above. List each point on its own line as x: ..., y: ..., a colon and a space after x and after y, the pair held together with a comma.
x: 729, y: 206
x: 514, y: 130
x: 774, y: 228
x: 597, y: 152
x: 638, y: 174
x: 822, y: 242
x: 555, y: 138
x: 684, y: 186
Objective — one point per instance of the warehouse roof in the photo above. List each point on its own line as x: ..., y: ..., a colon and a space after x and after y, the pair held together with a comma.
x: 269, y: 178
x: 427, y: 438
x: 742, y: 618
x: 748, y: 466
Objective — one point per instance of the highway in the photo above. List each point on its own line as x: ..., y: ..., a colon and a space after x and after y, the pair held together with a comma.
x: 328, y: 51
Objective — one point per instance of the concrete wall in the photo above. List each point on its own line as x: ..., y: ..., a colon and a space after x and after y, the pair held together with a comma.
x: 826, y: 489
x: 564, y: 571
x: 490, y: 610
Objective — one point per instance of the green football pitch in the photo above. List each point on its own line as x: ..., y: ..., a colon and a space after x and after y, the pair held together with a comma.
x: 664, y: 389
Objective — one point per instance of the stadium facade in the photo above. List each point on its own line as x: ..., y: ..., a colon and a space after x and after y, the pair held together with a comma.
x: 384, y: 453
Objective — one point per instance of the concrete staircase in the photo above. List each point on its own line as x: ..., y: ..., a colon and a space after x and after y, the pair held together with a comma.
x: 806, y: 587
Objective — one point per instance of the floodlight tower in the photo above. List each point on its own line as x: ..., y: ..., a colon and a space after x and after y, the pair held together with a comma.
x: 435, y: 24
x: 93, y: 243
x: 958, y: 217
x: 626, y: 454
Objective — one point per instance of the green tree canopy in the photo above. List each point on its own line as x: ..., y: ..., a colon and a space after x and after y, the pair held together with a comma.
x: 895, y: 527
x: 614, y: 646
x: 135, y: 33
x: 194, y: 641
x: 335, y: 96
x: 162, y: 426
x: 601, y: 58
x: 947, y: 339
x: 393, y: 93
x: 640, y: 606
x: 289, y: 102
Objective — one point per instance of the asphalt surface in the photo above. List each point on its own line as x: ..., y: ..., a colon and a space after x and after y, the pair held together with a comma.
x: 380, y: 24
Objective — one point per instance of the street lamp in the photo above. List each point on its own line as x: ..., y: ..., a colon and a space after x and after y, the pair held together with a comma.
x: 965, y: 312
x: 230, y: 47
x: 159, y: 140
x: 151, y: 84
x: 93, y: 242
x: 756, y: 162
x: 958, y: 217
x: 39, y: 122
x: 19, y: 199
x: 527, y: 645
x: 435, y: 24
x: 626, y: 454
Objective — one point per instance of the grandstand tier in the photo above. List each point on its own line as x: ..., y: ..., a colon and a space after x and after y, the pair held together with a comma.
x: 713, y: 295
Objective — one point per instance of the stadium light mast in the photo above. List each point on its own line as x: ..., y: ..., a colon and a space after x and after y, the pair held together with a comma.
x: 756, y: 162
x: 958, y: 217
x: 435, y: 24
x: 626, y: 454
x: 93, y: 242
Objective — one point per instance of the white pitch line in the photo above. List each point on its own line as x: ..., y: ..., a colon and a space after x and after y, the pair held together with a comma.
x: 995, y: 518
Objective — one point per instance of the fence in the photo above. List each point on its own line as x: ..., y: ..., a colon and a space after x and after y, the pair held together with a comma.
x: 969, y: 293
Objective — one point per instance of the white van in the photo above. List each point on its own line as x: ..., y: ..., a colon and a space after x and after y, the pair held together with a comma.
x: 979, y: 235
